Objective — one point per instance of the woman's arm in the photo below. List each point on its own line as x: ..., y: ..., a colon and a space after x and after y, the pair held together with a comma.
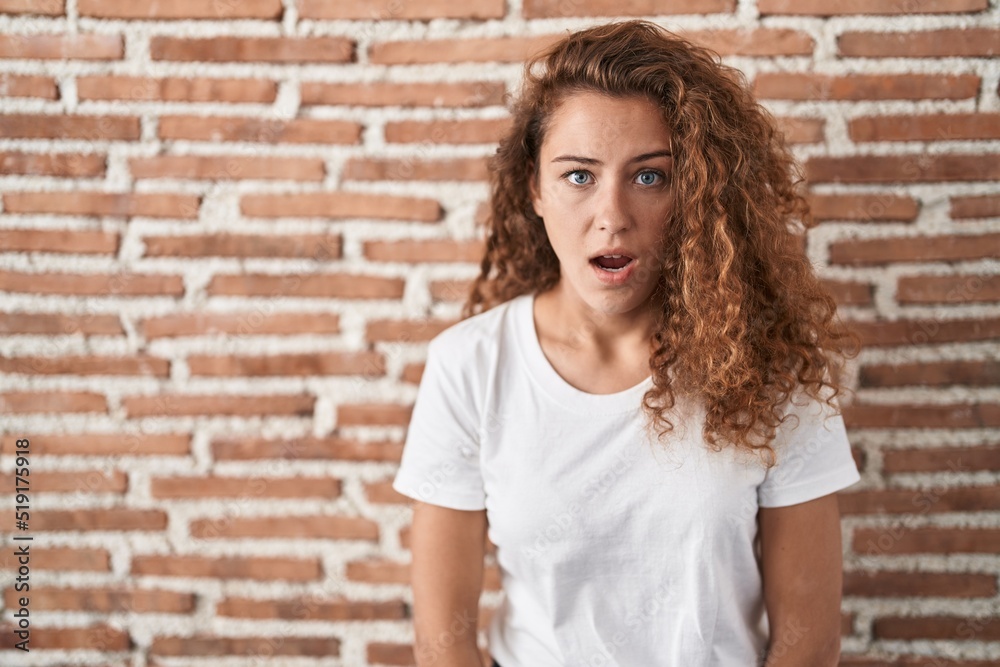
x: 446, y: 574
x: 803, y: 579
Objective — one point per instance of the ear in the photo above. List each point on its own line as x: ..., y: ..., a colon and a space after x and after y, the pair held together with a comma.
x: 536, y: 203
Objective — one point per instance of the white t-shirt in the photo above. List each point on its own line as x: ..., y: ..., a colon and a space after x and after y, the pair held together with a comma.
x: 613, y: 550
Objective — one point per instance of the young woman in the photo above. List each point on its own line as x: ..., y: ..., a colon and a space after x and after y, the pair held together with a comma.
x: 639, y: 403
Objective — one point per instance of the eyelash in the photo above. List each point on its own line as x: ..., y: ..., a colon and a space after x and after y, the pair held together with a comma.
x: 584, y: 171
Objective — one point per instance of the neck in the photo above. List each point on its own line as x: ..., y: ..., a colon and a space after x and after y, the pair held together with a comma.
x: 610, y: 334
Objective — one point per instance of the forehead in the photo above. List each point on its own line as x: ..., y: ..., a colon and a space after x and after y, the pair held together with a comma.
x: 600, y: 124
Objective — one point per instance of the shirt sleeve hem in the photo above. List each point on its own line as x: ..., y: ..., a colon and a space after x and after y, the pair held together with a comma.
x: 441, y: 497
x: 812, y: 489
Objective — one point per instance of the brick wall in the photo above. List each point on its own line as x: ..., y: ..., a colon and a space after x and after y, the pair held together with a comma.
x: 229, y: 228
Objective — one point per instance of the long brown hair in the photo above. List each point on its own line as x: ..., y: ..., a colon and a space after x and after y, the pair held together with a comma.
x: 743, y: 323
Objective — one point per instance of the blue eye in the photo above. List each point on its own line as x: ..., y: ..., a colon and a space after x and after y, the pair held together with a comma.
x: 581, y: 176
x: 648, y: 173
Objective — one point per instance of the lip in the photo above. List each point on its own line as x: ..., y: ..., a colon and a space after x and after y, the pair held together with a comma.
x: 614, y: 279
x: 615, y: 251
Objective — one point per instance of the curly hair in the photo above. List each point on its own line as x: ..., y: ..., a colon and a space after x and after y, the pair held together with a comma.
x: 741, y: 320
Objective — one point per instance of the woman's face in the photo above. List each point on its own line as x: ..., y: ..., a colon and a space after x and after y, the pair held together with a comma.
x: 603, y: 188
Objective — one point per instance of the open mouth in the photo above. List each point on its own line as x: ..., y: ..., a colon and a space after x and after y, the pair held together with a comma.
x: 612, y: 263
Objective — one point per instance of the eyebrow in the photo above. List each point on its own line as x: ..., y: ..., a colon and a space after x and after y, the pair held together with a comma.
x: 590, y: 160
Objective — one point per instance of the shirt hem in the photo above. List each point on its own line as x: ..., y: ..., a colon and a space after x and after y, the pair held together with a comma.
x: 811, y: 490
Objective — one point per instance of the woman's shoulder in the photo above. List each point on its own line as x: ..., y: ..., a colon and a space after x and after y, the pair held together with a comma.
x: 476, y: 336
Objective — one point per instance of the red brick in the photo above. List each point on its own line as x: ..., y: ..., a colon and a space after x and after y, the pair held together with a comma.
x: 919, y: 584
x: 50, y: 126
x: 959, y: 628
x: 936, y: 248
x: 104, y: 444
x: 290, y: 569
x: 848, y: 293
x: 944, y: 43
x: 93, y: 284
x: 272, y: 131
x: 377, y: 571
x: 403, y: 169
x: 535, y: 9
x: 181, y: 9
x: 854, y: 87
x: 61, y: 559
x: 382, y: 492
x: 917, y: 168
x: 340, y: 205
x: 248, y: 323
x: 228, y: 167
x: 412, y: 373
x: 70, y: 46
x: 373, y: 414
x: 754, y: 41
x: 214, y: 405
x: 307, y: 364
x: 216, y: 486
x: 401, y: 11
x: 930, y: 127
x: 405, y: 330
x: 60, y: 324
x: 864, y: 207
x: 107, y: 600
x: 104, y: 518
x: 326, y: 647
x: 925, y: 539
x: 450, y: 290
x: 931, y: 374
x: 52, y: 401
x: 419, y: 251
x: 385, y: 653
x: 87, y: 364
x: 250, y: 449
x: 313, y: 609
x: 40, y: 7
x: 971, y: 415
x: 52, y: 164
x: 481, y: 50
x: 253, y: 49
x: 941, y: 459
x: 906, y: 501
x: 981, y: 206
x: 473, y: 131
x: 416, y: 94
x: 77, y: 481
x: 948, y: 289
x: 926, y: 331
x: 111, y: 204
x: 17, y: 85
x: 57, y: 240
x: 847, y: 660
x: 95, y: 637
x: 287, y: 527
x: 821, y: 8
x: 244, y: 245
x: 317, y: 285
x: 802, y: 130
x: 175, y: 89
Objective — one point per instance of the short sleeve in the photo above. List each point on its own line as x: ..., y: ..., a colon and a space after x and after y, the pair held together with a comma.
x: 813, y: 454
x: 440, y: 462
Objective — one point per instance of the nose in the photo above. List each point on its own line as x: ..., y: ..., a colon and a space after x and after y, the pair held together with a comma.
x: 611, y: 211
